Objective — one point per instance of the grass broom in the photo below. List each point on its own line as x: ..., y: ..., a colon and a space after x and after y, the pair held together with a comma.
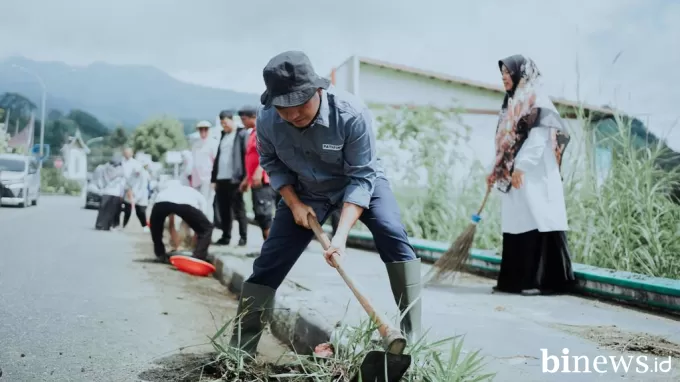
x: 455, y: 258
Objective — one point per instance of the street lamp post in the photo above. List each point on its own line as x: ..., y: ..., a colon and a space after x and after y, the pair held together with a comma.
x: 94, y: 140
x: 42, y: 114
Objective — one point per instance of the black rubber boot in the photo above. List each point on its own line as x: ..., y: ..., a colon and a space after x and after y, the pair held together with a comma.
x: 254, y: 310
x: 406, y: 285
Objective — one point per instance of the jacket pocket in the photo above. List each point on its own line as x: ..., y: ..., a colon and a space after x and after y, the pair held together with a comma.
x: 287, y: 156
x: 331, y: 157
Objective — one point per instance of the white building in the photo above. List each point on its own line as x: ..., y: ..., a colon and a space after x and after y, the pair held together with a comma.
x: 75, y: 153
x: 382, y: 84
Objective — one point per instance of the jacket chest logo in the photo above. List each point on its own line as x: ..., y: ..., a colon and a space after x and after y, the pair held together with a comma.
x: 327, y: 146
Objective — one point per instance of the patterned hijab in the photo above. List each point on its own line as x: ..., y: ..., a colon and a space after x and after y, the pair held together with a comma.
x: 525, y: 106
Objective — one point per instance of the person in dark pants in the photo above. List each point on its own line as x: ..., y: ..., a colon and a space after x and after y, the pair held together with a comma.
x: 111, y: 182
x: 228, y: 175
x: 263, y: 195
x: 335, y: 220
x: 137, y: 195
x: 318, y: 147
x: 190, y: 205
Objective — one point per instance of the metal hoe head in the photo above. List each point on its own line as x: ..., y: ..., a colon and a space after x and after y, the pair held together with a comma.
x: 379, y: 366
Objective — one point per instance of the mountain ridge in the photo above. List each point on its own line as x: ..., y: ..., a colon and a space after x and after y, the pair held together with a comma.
x: 117, y: 94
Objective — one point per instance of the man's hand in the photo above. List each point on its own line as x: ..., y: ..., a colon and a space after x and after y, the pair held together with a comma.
x: 338, y: 245
x: 301, y: 212
x: 213, y: 186
x: 243, y: 187
x: 257, y: 177
x: 517, y: 178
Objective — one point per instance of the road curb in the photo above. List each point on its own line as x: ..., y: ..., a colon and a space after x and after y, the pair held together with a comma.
x: 292, y: 322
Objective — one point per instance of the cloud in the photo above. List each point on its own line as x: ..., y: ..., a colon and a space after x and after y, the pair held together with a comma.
x: 226, y: 43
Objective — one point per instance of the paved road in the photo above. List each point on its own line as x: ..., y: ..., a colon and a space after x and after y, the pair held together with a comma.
x: 81, y: 305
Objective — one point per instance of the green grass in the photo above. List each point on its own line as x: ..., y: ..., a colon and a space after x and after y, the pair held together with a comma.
x: 628, y: 223
x: 441, y: 361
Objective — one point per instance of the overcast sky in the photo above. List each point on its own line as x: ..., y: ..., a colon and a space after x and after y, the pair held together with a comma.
x: 225, y: 43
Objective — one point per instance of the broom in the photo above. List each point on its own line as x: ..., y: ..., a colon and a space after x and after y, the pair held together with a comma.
x: 455, y: 258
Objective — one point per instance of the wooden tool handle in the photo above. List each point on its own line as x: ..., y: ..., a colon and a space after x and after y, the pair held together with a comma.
x: 486, y: 197
x: 393, y: 339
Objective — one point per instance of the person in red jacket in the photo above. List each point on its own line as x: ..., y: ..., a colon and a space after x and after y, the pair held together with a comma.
x: 256, y: 178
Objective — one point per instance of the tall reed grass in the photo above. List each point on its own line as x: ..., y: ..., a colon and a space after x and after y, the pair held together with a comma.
x: 622, y: 219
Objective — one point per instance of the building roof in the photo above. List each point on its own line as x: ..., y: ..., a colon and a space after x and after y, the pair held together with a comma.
x: 77, y: 140
x: 564, y: 103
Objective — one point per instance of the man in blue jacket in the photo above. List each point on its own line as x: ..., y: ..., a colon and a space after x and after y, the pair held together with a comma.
x: 318, y: 146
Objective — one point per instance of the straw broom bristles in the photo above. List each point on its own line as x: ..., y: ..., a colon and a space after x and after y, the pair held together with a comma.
x: 455, y: 258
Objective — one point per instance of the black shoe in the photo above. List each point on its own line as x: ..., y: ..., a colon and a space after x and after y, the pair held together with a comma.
x: 242, y: 242
x: 222, y: 241
x: 163, y: 259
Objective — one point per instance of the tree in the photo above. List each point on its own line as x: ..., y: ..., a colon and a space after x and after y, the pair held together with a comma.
x: 89, y: 125
x: 18, y: 107
x: 118, y: 138
x: 4, y: 137
x: 157, y: 136
x: 58, y: 130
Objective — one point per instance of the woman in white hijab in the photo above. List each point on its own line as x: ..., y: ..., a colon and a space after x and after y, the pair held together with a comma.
x: 530, y: 140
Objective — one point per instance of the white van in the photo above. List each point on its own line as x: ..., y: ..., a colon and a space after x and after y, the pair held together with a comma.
x: 19, y: 180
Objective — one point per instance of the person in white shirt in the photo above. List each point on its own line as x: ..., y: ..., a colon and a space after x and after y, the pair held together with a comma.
x: 186, y: 168
x: 132, y: 168
x: 137, y: 195
x: 111, y: 182
x: 530, y: 140
x: 190, y: 205
x: 204, y: 152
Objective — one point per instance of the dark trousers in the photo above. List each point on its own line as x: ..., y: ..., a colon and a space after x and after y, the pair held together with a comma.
x: 287, y: 240
x: 335, y: 220
x: 263, y: 205
x: 196, y: 220
x: 140, y: 211
x: 116, y: 215
x: 231, y: 205
x: 109, y: 211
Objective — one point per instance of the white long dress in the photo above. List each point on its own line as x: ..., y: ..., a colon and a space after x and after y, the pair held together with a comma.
x: 539, y: 203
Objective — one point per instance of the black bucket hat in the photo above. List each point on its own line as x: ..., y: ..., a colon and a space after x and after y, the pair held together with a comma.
x: 290, y: 80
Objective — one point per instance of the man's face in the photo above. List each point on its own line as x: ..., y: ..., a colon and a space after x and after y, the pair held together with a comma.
x: 248, y: 122
x: 127, y: 153
x: 227, y: 125
x: 301, y: 116
x: 203, y: 132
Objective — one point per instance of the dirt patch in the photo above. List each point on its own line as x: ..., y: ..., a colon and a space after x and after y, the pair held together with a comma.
x: 210, y: 367
x: 183, y: 368
x: 611, y: 337
x: 207, y: 305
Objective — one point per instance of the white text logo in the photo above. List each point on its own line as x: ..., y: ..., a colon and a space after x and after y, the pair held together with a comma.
x: 603, y: 364
x: 327, y: 146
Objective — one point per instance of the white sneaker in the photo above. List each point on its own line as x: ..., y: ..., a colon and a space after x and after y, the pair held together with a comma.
x: 146, y: 229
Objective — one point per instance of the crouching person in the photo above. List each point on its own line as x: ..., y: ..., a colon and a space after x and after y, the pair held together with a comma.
x: 191, y: 206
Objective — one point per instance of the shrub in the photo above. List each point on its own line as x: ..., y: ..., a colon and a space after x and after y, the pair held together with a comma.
x: 53, y: 181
